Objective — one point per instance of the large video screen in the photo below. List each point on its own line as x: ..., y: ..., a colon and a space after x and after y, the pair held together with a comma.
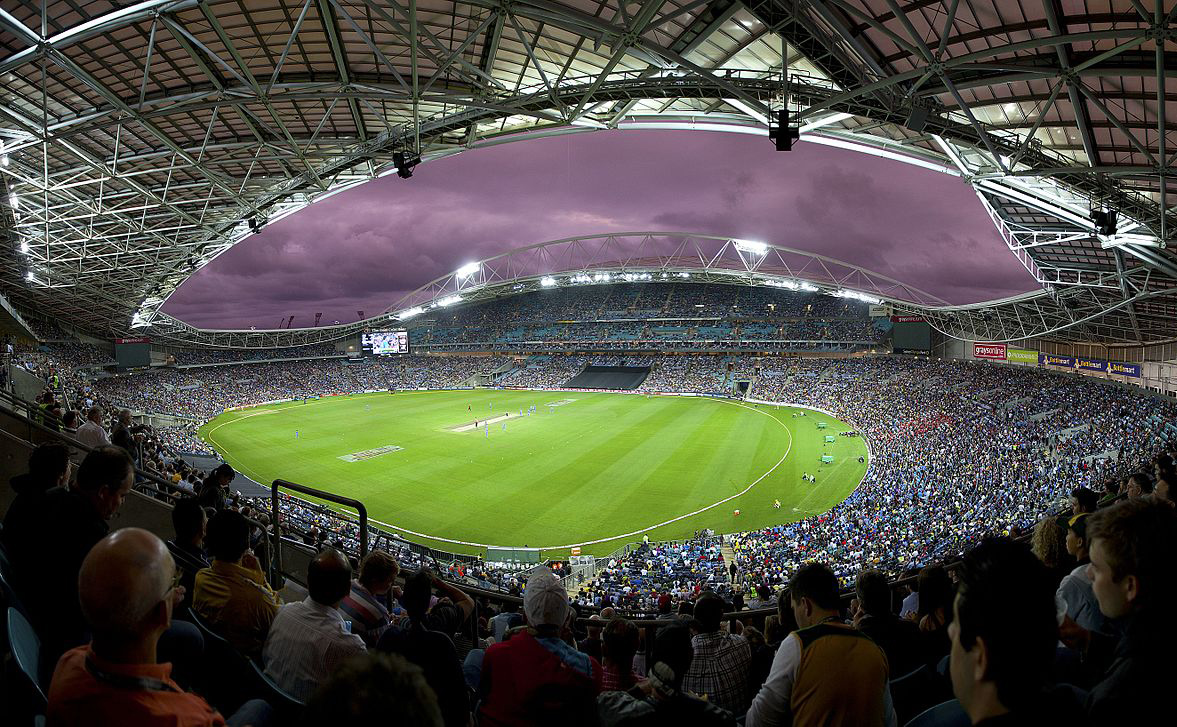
x: 384, y: 343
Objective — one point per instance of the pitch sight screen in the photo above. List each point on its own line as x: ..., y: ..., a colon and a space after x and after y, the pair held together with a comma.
x: 384, y: 343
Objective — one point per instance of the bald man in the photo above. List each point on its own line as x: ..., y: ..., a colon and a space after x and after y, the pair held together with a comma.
x: 128, y: 587
x: 309, y: 640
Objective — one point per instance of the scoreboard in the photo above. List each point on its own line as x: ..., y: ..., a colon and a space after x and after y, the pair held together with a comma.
x: 384, y: 343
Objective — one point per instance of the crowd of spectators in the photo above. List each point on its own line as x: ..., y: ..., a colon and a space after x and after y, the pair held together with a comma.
x: 386, y: 640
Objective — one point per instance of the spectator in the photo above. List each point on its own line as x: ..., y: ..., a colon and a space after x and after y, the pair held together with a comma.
x: 190, y: 522
x: 719, y: 670
x: 896, y: 637
x: 826, y: 672
x: 1049, y: 545
x: 123, y: 434
x: 60, y: 529
x: 374, y: 689
x: 664, y: 700
x: 1132, y: 565
x: 507, y: 618
x: 215, y: 489
x: 308, y: 640
x: 1001, y: 656
x: 1075, y: 589
x: 128, y: 588
x: 1138, y: 485
x: 934, y: 613
x: 1163, y: 489
x: 534, y: 677
x: 619, y: 644
x: 70, y: 421
x: 432, y: 650
x: 91, y: 433
x: 366, y: 605
x: 49, y: 467
x: 232, y: 596
x: 591, y: 643
x: 1083, y: 500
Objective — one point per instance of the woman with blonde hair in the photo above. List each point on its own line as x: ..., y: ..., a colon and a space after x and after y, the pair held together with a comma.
x: 1049, y: 544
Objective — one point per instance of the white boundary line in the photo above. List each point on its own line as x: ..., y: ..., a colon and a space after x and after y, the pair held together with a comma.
x: 633, y: 533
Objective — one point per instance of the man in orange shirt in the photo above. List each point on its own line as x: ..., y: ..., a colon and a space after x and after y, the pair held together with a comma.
x: 128, y: 588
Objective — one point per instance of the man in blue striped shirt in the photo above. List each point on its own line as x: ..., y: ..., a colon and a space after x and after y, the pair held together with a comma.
x: 366, y: 606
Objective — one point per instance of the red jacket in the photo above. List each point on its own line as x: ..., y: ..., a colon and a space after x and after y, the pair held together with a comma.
x: 524, y: 684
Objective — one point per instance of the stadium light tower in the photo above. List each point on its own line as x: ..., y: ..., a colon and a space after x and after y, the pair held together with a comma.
x: 469, y: 270
x: 751, y: 247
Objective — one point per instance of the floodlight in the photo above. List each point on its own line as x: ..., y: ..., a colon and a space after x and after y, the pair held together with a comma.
x: 13, y: 200
x: 24, y: 246
x: 409, y: 313
x: 808, y: 288
x: 468, y: 270
x: 3, y: 160
x: 855, y: 295
x: 750, y: 247
x: 547, y: 281
x: 449, y: 300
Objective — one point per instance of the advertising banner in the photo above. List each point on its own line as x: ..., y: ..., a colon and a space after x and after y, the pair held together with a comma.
x: 989, y: 350
x: 1124, y: 369
x: 1021, y: 355
x: 1093, y: 364
x: 1049, y: 360
x: 880, y: 311
x: 907, y: 319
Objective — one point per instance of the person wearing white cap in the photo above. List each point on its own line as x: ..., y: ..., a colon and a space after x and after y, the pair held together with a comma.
x: 534, y: 677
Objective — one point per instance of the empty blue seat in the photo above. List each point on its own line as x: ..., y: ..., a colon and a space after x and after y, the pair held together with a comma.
x: 26, y: 652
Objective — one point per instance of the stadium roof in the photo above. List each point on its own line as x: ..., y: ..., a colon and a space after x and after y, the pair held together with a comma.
x: 143, y: 139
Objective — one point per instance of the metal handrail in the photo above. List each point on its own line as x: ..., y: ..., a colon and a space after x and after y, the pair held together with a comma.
x: 276, y: 513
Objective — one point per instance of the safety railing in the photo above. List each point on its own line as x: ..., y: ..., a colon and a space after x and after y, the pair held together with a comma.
x: 276, y: 513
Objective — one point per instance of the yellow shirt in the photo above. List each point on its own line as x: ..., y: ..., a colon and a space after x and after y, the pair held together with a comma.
x: 237, y: 603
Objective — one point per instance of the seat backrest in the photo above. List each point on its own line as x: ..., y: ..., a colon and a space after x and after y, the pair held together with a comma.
x: 11, y: 600
x: 945, y: 714
x: 26, y: 651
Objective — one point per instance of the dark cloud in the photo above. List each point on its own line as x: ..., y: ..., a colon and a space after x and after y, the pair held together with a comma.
x: 366, y: 248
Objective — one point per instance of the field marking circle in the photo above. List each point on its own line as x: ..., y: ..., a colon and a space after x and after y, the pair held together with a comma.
x: 630, y: 534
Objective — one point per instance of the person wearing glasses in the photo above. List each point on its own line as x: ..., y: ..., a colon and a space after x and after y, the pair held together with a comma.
x: 128, y: 588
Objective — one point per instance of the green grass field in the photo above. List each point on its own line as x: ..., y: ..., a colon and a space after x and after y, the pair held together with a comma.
x: 598, y: 467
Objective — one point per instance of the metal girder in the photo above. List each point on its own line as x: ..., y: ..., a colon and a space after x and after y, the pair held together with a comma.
x: 161, y: 151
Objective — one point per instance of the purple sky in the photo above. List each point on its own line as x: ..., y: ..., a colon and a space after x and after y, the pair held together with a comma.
x: 363, y: 249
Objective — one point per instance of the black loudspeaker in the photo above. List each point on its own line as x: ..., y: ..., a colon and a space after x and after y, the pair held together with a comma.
x: 1105, y: 221
x: 781, y: 133
x: 917, y: 119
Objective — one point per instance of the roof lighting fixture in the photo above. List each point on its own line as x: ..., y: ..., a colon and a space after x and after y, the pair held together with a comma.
x: 404, y: 163
x: 808, y: 288
x: 13, y: 200
x: 409, y: 313
x: 547, y: 281
x: 24, y: 246
x: 855, y: 295
x: 580, y: 278
x: 751, y: 247
x: 3, y: 160
x: 468, y: 270
x: 684, y: 275
x: 449, y: 300
x: 602, y: 278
